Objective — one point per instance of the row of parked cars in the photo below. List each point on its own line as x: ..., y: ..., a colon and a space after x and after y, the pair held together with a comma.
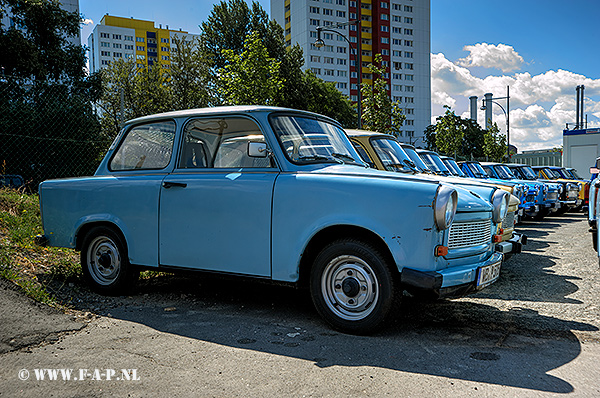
x: 288, y: 196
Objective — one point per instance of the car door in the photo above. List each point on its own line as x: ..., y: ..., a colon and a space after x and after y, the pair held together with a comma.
x: 215, y: 208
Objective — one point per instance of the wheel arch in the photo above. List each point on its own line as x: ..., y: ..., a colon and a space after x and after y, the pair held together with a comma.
x: 336, y: 232
x: 86, y: 228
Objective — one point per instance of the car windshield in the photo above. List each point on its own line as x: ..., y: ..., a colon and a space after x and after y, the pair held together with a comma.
x: 563, y: 174
x: 504, y: 172
x: 527, y: 173
x: 310, y: 140
x: 433, y: 161
x: 453, y: 167
x: 575, y: 175
x: 414, y: 156
x: 477, y: 170
x: 553, y: 175
x: 392, y: 155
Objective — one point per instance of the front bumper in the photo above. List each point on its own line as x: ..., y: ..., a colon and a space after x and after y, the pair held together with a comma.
x: 452, y: 281
x: 531, y: 209
x: 512, y: 246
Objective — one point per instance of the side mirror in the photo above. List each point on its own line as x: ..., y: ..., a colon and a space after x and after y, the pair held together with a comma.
x: 257, y: 149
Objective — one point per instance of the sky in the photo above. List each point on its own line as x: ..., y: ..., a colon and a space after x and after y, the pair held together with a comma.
x: 542, y: 49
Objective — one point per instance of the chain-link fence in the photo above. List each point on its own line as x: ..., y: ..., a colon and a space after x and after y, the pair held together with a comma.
x: 48, y: 131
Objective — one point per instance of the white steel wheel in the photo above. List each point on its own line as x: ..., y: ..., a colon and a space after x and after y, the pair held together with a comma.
x: 351, y: 286
x: 105, y: 263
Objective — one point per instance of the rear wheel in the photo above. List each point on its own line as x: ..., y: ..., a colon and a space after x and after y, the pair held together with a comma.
x: 351, y: 286
x: 105, y: 263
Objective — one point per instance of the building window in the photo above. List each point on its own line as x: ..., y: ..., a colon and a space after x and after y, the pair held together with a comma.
x: 341, y: 61
x: 366, y: 41
x: 116, y: 45
x: 353, y: 86
x: 105, y: 62
x: 408, y: 20
x: 397, y: 76
x: 397, y: 18
x: 328, y: 49
x: 365, y: 18
x: 315, y: 58
x: 409, y: 111
x: 353, y: 4
x: 385, y: 52
x: 408, y: 8
x: 408, y: 32
x: 165, y: 57
x: 104, y: 44
x: 139, y: 39
x: 396, y: 42
x: 408, y: 66
x: 327, y: 11
x: 408, y: 43
x: 385, y: 28
x: 366, y: 53
x: 396, y: 30
x: 366, y: 29
x: 385, y: 17
x: 397, y: 65
x: 116, y: 37
x: 329, y: 72
x: 383, y: 4
x: 165, y: 49
x: 105, y: 53
x: 342, y: 86
x: 408, y: 54
x: 397, y: 53
x: 367, y: 76
x: 385, y: 40
x: 117, y: 55
x: 409, y: 89
x: 342, y: 73
x: 164, y: 40
x: 409, y: 77
x: 140, y: 48
x: 104, y: 35
x: 328, y: 60
x: 340, y: 14
x: 141, y: 57
x: 128, y: 46
x: 340, y: 2
x: 365, y: 6
x: 410, y: 133
x: 315, y: 22
x: 128, y: 56
x: 397, y: 7
x: 128, y: 38
x: 316, y: 71
x: 314, y: 10
x: 397, y: 87
x: 409, y: 100
x: 398, y: 99
x: 327, y: 36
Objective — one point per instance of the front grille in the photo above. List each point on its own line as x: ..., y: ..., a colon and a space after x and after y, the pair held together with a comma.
x: 530, y: 198
x: 509, y: 220
x: 553, y: 196
x: 467, y: 234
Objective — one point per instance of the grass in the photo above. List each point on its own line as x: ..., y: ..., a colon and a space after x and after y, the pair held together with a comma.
x: 38, y: 271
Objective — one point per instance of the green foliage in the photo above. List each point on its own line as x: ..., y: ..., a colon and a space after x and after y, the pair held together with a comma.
x: 495, y: 144
x: 189, y: 76
x: 251, y: 77
x: 40, y: 50
x: 379, y: 112
x: 324, y: 98
x: 449, y: 132
x: 430, y: 138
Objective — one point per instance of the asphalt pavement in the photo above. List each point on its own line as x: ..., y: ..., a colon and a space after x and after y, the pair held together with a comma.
x: 535, y: 332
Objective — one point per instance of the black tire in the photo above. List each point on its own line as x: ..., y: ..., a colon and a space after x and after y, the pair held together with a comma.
x: 541, y: 214
x: 352, y: 287
x: 105, y: 263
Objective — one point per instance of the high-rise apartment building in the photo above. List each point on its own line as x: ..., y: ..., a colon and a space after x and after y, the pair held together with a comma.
x: 116, y: 37
x: 399, y: 30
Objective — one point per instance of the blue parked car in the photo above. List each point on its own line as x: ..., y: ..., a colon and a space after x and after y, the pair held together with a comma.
x: 275, y: 194
x: 527, y: 207
x: 551, y: 202
x: 536, y: 193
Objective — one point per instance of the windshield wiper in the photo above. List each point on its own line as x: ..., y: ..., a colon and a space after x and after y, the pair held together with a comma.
x: 321, y: 157
x: 343, y: 156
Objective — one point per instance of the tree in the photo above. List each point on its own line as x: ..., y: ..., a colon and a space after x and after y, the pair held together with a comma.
x: 324, y: 98
x: 189, y: 76
x: 379, y: 112
x: 430, y: 138
x: 495, y: 144
x: 251, y: 77
x: 36, y: 46
x: 449, y: 132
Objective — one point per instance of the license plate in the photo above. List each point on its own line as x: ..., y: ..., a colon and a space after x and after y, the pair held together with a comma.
x: 488, y: 274
x: 537, y: 208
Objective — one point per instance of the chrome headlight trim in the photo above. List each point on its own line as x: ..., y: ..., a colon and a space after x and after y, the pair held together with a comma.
x: 500, y: 206
x: 444, y: 206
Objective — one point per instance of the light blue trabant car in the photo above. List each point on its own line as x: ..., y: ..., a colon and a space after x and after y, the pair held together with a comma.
x: 277, y: 194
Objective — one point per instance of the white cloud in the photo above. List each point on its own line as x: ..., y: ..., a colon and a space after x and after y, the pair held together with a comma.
x: 87, y: 21
x: 540, y: 105
x: 486, y: 55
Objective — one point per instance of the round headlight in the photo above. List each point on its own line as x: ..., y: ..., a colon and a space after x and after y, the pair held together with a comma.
x: 444, y: 206
x: 560, y: 189
x: 579, y: 186
x: 500, y: 205
x: 545, y: 188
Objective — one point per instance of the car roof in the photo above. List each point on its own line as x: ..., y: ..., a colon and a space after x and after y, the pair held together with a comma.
x: 490, y: 163
x: 444, y: 157
x: 365, y: 133
x: 408, y: 145
x: 222, y: 110
x: 425, y: 151
x: 516, y: 164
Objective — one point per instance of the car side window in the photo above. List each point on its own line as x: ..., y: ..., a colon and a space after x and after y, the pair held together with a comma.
x: 221, y: 143
x: 145, y: 147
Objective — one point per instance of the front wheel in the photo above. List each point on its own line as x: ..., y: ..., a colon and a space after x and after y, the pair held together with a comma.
x: 351, y: 286
x: 105, y: 263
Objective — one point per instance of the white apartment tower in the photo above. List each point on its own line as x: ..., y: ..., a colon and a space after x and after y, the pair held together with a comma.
x: 399, y: 30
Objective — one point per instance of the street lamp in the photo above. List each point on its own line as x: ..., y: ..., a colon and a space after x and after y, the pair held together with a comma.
x: 320, y: 43
x: 488, y: 98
